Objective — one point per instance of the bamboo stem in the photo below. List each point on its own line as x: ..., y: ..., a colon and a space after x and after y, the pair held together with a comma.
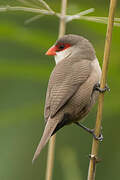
x: 95, y: 145
x: 50, y: 157
x: 62, y: 26
x: 51, y: 148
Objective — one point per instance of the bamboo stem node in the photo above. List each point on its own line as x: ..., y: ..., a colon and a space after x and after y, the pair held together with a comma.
x: 95, y: 158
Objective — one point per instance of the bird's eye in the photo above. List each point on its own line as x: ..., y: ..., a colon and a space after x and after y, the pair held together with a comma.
x: 62, y: 46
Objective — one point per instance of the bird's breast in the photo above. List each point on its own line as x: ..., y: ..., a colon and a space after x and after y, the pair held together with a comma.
x: 96, y: 68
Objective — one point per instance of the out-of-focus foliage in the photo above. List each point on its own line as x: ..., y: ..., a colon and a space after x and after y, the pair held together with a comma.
x: 24, y: 73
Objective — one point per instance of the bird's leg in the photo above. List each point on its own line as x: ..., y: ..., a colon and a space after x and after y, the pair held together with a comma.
x: 97, y: 88
x: 91, y: 131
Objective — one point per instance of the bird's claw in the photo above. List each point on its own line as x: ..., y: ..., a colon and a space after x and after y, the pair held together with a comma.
x: 97, y: 88
x: 99, y: 138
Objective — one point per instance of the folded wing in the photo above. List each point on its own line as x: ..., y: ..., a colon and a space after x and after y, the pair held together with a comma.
x: 65, y: 80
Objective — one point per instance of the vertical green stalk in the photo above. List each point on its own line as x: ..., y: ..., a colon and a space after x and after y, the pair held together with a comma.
x: 51, y: 148
x: 95, y: 145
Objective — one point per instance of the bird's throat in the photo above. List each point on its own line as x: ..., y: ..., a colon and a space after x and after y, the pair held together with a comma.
x: 62, y: 55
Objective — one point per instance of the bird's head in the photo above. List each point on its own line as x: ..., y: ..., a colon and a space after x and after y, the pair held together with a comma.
x: 71, y: 45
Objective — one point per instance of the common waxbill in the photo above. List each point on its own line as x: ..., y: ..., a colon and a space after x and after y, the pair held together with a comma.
x: 70, y: 94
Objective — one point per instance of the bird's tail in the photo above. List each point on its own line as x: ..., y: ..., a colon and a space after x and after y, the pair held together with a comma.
x: 49, y: 128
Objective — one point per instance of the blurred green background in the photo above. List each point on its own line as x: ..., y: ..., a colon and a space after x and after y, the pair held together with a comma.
x: 24, y: 74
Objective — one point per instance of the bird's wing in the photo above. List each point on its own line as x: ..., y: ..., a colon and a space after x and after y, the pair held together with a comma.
x: 65, y: 79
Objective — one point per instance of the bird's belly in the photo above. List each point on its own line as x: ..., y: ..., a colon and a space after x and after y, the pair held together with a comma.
x: 82, y: 101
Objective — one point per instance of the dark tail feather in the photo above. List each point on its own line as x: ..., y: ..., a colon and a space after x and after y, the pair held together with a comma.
x: 60, y: 125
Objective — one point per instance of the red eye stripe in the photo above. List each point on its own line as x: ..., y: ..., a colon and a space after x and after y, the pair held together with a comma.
x: 62, y: 46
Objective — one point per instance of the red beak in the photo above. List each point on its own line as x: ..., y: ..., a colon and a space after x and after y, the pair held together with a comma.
x: 51, y: 51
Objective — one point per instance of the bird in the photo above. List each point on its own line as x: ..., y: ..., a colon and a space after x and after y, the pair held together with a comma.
x: 73, y: 85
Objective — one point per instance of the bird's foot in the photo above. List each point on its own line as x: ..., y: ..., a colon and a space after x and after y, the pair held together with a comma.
x: 91, y: 131
x: 99, y: 138
x: 97, y: 88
